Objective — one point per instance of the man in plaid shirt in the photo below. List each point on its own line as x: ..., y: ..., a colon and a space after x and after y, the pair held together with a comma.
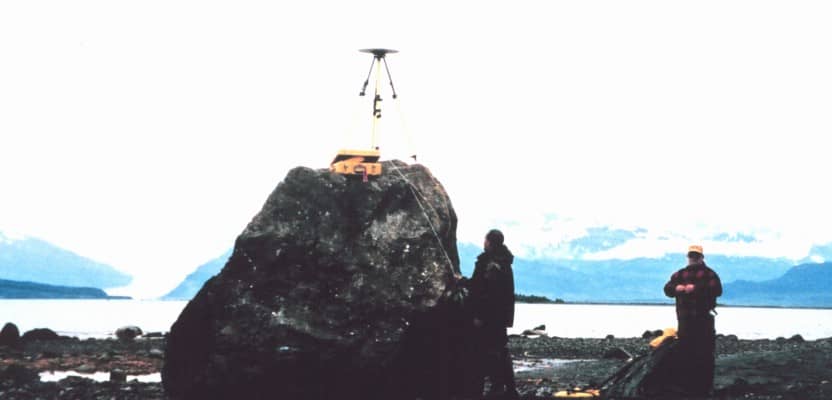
x: 696, y: 288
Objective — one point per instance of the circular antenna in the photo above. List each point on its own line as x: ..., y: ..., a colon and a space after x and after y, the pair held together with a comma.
x: 379, y: 53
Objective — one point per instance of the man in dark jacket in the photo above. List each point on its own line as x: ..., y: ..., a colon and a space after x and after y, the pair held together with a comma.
x: 696, y: 288
x: 492, y: 305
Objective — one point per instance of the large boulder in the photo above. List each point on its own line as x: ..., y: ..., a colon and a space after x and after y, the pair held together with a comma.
x: 337, y: 289
x: 9, y: 335
x: 40, y: 334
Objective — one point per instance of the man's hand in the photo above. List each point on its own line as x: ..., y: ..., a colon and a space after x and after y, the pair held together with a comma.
x: 680, y: 288
x: 477, y: 323
x: 689, y: 288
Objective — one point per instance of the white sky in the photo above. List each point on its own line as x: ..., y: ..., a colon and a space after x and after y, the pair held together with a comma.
x: 147, y: 134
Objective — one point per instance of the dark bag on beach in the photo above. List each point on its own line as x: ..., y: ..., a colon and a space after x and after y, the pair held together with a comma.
x: 648, y: 376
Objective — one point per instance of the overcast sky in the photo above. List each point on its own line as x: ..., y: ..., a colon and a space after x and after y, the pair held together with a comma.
x: 147, y: 134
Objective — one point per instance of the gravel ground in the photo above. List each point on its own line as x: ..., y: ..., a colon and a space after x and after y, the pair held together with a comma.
x: 746, y: 369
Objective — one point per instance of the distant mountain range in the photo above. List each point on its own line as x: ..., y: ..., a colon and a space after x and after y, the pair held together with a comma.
x: 61, y: 274
x: 34, y: 260
x: 193, y: 282
x: 642, y: 279
x: 804, y: 285
x: 30, y: 290
x: 630, y: 281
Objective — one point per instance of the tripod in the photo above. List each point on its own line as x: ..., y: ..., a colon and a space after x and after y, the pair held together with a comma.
x: 378, y: 59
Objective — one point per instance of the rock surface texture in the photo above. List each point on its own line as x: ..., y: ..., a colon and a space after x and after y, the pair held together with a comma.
x: 337, y: 289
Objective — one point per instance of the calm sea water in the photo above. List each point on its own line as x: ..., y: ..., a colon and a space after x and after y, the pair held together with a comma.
x: 598, y: 321
x: 100, y: 318
x: 90, y: 318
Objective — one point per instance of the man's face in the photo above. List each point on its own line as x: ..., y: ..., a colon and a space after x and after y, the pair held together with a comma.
x: 695, y: 259
x: 486, y: 244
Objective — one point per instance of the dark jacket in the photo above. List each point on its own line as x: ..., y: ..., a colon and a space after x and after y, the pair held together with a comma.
x: 492, y: 288
x: 707, y: 287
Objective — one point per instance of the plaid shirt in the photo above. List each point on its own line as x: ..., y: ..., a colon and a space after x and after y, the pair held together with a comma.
x: 706, y: 288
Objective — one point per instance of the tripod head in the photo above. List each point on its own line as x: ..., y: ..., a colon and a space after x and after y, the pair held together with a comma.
x: 378, y: 56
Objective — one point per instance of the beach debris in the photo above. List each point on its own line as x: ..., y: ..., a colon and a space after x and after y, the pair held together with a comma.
x: 667, y: 333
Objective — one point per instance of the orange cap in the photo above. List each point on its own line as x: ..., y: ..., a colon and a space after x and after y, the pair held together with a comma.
x: 695, y: 248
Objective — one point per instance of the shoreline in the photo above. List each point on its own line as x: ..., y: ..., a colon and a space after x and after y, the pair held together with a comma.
x: 746, y: 368
x: 593, y: 303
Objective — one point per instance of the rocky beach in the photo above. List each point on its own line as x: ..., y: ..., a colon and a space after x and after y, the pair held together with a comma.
x: 348, y: 288
x: 785, y: 368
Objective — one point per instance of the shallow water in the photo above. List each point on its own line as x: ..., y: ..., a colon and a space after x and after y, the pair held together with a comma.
x: 54, y: 376
x: 540, y: 363
x: 100, y: 318
x: 598, y: 321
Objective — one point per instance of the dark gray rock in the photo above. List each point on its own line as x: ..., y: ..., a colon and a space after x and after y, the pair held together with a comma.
x: 127, y: 333
x: 86, y: 368
x: 118, y: 376
x: 617, y: 353
x: 18, y: 375
x: 40, y: 334
x: 156, y: 353
x: 337, y: 289
x: 796, y: 339
x: 10, y: 335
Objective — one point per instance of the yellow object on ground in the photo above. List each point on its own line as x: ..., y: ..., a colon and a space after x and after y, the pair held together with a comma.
x: 666, y: 334
x: 578, y: 394
x: 356, y: 162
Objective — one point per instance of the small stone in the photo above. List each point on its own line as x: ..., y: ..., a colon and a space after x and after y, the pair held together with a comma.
x: 86, y: 369
x: 118, y: 376
x: 796, y: 339
x: 128, y: 333
x: 156, y: 353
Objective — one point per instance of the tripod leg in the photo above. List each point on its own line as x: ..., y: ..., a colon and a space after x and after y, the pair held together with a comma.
x: 390, y: 78
x: 367, y: 81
